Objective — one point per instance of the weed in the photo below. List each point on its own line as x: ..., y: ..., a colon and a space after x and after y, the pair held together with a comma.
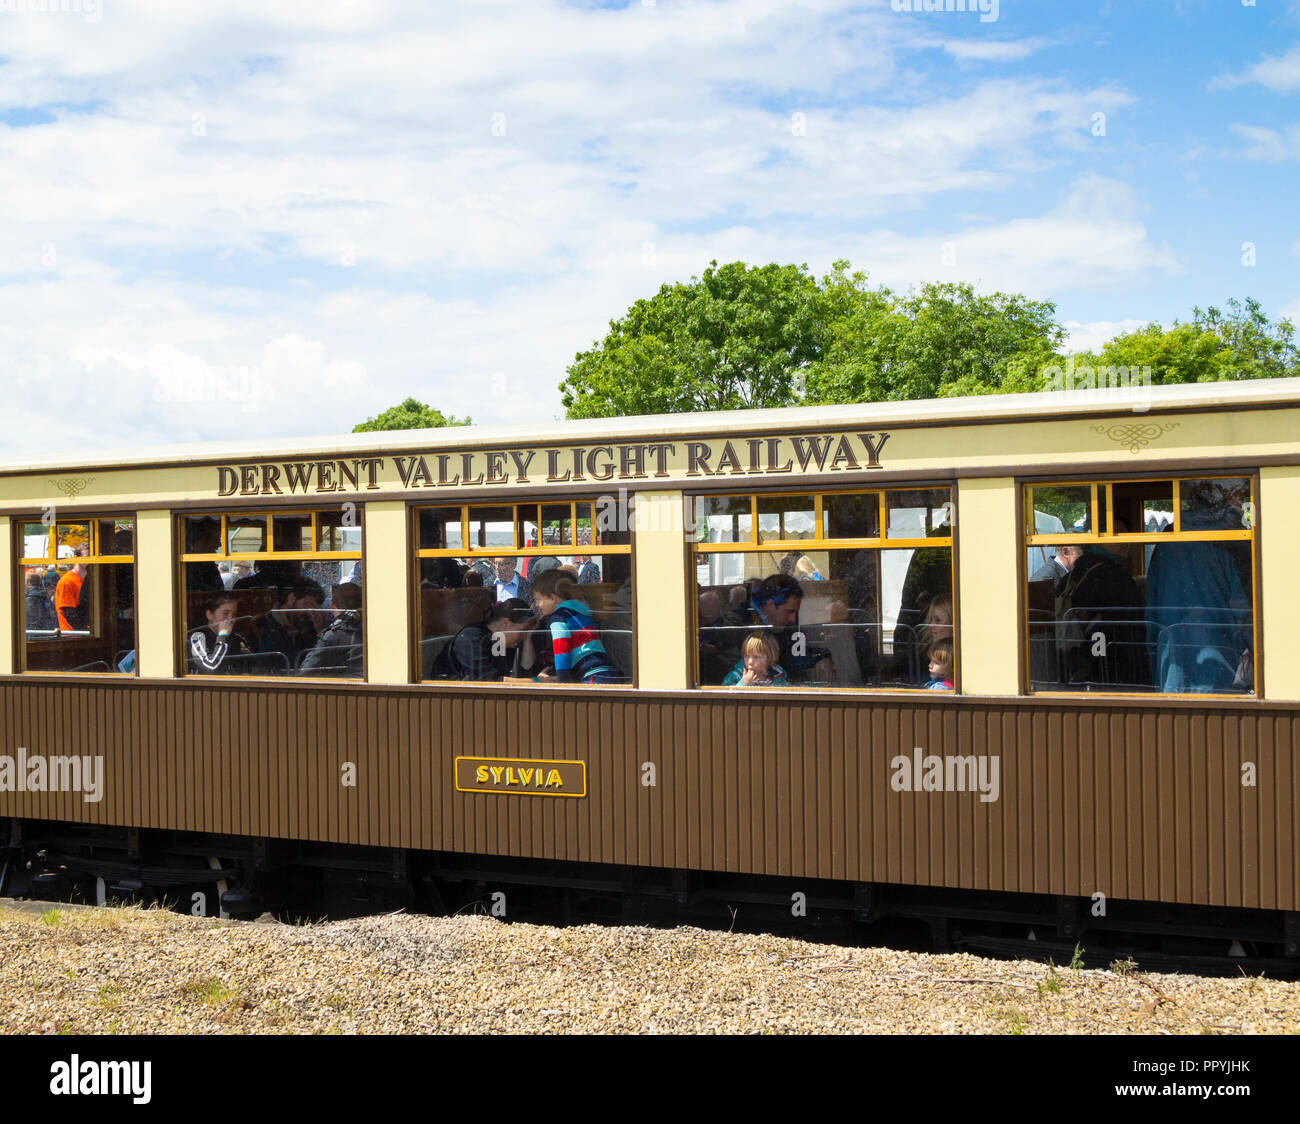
x: 1053, y: 981
x: 1076, y: 961
x: 52, y: 916
x: 1015, y: 1021
x: 1124, y: 967
x: 108, y: 997
x: 213, y: 991
x: 336, y: 1001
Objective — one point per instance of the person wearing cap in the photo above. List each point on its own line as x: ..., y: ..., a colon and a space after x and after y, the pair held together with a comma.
x: 489, y: 650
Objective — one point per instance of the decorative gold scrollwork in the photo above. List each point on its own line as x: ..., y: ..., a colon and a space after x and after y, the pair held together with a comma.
x: 1136, y: 435
x: 73, y: 486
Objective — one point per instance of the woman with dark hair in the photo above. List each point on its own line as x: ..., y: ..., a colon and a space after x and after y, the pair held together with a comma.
x: 212, y: 646
x: 579, y: 656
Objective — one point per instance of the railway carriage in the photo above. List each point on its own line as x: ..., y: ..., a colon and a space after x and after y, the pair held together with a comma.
x: 1038, y: 670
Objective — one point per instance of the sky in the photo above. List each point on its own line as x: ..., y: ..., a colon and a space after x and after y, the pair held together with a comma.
x: 247, y: 220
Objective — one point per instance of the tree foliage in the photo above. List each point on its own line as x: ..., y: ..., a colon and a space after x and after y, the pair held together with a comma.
x: 728, y: 340
x: 1211, y: 347
x: 411, y: 414
x: 744, y: 336
x: 938, y: 341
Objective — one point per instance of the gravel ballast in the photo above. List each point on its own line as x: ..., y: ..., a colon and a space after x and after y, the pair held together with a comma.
x: 135, y: 971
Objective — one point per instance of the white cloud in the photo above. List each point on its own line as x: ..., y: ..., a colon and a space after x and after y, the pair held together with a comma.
x: 1091, y: 336
x: 1279, y: 73
x: 991, y: 50
x: 1272, y: 145
x: 1093, y: 238
x: 304, y: 213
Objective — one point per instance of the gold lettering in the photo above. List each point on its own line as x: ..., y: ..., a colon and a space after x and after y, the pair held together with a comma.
x: 481, y: 773
x: 553, y: 779
x: 496, y: 771
x: 553, y: 467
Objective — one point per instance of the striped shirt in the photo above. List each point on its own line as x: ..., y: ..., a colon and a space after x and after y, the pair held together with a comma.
x: 575, y: 644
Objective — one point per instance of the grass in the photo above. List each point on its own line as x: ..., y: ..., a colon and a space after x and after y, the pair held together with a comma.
x: 51, y: 916
x: 213, y: 991
x: 1016, y: 1022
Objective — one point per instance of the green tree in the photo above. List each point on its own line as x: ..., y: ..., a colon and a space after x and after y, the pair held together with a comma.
x: 938, y: 341
x: 732, y: 339
x: 411, y: 414
x: 1211, y: 347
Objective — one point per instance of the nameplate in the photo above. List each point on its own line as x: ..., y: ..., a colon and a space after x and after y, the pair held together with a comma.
x: 521, y: 776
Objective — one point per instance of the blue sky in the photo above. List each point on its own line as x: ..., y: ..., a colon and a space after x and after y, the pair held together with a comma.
x: 255, y: 220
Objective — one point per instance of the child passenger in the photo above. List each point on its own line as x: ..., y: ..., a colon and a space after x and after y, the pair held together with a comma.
x: 757, y: 666
x: 941, y: 662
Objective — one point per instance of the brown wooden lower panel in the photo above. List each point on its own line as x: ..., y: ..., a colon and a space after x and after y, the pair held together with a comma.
x: 1138, y: 801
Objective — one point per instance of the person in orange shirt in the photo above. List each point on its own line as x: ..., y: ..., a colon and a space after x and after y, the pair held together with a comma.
x: 67, y: 597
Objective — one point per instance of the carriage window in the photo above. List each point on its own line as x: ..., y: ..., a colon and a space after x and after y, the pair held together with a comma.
x: 274, y: 593
x: 813, y: 595
x: 78, y: 607
x: 542, y: 594
x: 1142, y: 586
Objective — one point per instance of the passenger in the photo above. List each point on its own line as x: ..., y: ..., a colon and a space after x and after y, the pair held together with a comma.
x: 271, y: 574
x: 929, y: 576
x: 506, y: 583
x: 578, y: 654
x: 40, y: 605
x: 338, y: 650
x: 719, y: 635
x: 806, y: 570
x: 1197, y: 612
x: 1099, y: 595
x: 738, y: 599
x: 498, y: 646
x: 775, y: 602
x: 942, y: 654
x: 936, y: 625
x: 445, y: 573
x: 293, y: 626
x: 214, y: 649
x: 757, y: 666
x: 204, y: 538
x: 1057, y: 567
x: 589, y: 572
x: 70, y: 606
x: 238, y: 572
x: 473, y: 579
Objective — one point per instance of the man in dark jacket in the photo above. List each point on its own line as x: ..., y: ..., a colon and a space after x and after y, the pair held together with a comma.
x: 289, y: 629
x: 489, y: 650
x: 338, y: 650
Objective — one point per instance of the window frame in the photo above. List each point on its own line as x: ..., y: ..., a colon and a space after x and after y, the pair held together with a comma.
x: 882, y: 542
x: 22, y: 562
x: 181, y: 558
x: 1103, y: 484
x: 543, y: 550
